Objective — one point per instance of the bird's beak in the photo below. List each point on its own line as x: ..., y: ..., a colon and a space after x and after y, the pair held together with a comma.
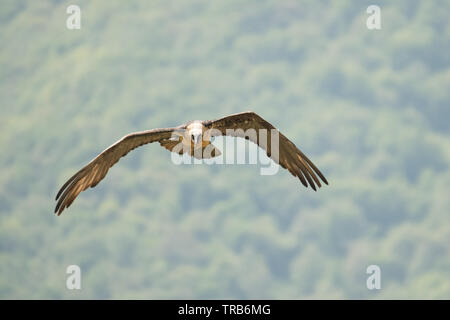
x: 197, y: 138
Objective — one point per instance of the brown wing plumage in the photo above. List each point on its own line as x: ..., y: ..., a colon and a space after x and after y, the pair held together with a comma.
x: 290, y: 157
x: 96, y: 170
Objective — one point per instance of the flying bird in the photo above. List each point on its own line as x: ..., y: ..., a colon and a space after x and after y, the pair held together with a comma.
x: 189, y: 138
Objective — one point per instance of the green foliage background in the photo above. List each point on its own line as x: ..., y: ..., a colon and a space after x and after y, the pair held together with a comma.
x: 370, y: 108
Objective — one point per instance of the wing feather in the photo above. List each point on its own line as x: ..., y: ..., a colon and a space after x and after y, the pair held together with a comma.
x: 290, y: 157
x: 96, y: 170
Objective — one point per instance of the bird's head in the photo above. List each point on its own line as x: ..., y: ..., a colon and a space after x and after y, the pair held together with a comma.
x: 195, y: 133
x: 196, y: 136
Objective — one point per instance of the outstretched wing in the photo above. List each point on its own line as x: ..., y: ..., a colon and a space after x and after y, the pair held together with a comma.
x: 96, y: 170
x: 290, y: 157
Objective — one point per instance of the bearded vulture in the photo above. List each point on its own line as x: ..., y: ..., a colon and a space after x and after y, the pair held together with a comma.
x: 189, y: 138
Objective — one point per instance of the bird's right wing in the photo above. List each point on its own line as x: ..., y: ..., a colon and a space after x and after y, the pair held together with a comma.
x: 289, y: 156
x: 96, y: 170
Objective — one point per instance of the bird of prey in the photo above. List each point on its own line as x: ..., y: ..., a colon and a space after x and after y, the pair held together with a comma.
x: 192, y: 136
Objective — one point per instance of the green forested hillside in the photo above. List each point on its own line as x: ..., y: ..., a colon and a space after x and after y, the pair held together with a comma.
x: 370, y: 107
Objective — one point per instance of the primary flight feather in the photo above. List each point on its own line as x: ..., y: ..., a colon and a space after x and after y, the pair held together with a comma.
x: 189, y: 138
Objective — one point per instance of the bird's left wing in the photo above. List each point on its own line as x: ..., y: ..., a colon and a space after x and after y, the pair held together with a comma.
x: 289, y: 156
x: 96, y: 170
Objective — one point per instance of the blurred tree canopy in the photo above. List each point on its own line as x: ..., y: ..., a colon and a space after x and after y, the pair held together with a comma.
x: 370, y: 107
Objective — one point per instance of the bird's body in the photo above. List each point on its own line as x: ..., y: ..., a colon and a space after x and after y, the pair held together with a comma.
x: 194, y: 138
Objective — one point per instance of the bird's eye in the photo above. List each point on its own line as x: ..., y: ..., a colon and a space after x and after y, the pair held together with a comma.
x: 192, y: 137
